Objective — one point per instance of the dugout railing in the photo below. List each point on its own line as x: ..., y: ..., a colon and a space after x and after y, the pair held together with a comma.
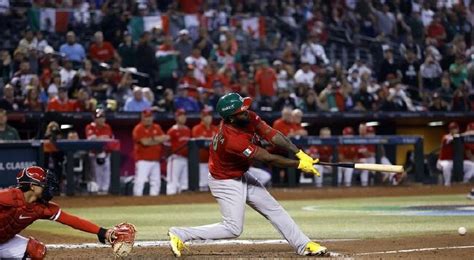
x: 417, y: 141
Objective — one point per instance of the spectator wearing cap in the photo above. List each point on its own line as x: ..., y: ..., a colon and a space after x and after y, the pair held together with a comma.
x: 205, y: 130
x: 136, y: 103
x: 168, y: 61
x: 7, y: 133
x: 177, y: 167
x: 61, y: 103
x: 100, y: 160
x: 148, y: 63
x: 72, y: 50
x: 102, y: 51
x: 445, y: 159
x: 184, y: 45
x: 148, y: 138
x: 199, y: 64
x: 127, y: 51
x: 9, y: 102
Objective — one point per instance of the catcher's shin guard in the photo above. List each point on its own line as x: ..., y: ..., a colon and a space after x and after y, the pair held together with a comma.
x: 35, y: 249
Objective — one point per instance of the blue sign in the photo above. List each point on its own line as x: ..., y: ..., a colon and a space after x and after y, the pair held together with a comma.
x: 13, y: 159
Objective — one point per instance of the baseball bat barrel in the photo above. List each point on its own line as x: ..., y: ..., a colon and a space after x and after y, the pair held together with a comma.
x: 367, y: 166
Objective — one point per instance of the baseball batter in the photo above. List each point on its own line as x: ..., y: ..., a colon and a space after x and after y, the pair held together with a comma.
x: 204, y: 129
x: 100, y: 161
x: 28, y: 202
x: 233, y: 186
x: 148, y: 138
x: 177, y: 164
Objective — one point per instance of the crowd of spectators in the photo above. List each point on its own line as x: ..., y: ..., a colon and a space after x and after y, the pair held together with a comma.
x: 421, y: 56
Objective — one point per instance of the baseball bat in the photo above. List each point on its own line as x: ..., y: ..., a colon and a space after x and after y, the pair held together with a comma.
x: 367, y: 166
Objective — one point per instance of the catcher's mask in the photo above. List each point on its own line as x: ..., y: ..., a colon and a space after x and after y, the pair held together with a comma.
x: 35, y: 175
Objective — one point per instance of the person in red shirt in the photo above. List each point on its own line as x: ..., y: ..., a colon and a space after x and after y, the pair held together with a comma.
x: 296, y: 119
x: 347, y: 153
x: 102, y: 51
x: 190, y: 6
x: 29, y: 201
x: 445, y: 159
x: 231, y: 154
x: 61, y: 103
x: 177, y: 167
x: 284, y: 124
x: 100, y: 160
x: 265, y: 82
x: 436, y: 31
x: 148, y: 138
x: 206, y: 130
x: 324, y: 153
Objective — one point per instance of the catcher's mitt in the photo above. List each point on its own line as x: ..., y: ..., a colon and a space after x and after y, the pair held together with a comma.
x: 122, y: 239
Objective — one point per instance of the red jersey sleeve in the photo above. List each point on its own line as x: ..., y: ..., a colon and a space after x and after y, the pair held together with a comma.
x: 50, y: 211
x: 261, y: 127
x: 159, y: 130
x: 77, y: 223
x: 137, y: 134
x: 89, y: 131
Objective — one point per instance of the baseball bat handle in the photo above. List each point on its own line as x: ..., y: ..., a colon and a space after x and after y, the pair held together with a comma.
x: 367, y: 166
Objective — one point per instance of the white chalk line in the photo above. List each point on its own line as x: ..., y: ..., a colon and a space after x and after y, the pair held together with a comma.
x: 414, y: 250
x: 194, y: 243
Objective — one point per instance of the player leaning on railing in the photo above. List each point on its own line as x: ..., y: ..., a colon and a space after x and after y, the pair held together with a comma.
x: 30, y: 201
x: 231, y: 153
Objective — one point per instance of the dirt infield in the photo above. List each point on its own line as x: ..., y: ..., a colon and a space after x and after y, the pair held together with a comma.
x: 360, y: 249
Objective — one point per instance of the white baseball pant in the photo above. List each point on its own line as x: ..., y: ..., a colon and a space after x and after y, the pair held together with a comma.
x: 147, y: 171
x: 14, y: 248
x: 203, y: 172
x: 232, y: 195
x: 364, y: 175
x: 322, y: 170
x: 344, y: 175
x: 262, y: 176
x: 177, y: 174
x: 446, y: 166
x: 102, y: 172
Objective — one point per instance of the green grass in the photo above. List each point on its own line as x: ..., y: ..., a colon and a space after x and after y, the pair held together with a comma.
x: 335, y: 218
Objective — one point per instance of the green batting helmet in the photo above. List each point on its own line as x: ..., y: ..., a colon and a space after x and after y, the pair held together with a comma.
x: 231, y: 104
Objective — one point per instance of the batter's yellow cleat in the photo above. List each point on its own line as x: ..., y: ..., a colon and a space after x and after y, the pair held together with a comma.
x: 176, y: 244
x: 315, y: 249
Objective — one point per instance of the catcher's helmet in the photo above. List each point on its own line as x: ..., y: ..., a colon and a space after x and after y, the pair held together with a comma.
x: 32, y: 175
x: 231, y: 104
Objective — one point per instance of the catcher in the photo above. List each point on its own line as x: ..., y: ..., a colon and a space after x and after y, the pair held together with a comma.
x: 29, y: 201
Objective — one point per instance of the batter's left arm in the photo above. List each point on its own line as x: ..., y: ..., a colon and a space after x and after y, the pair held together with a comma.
x: 284, y: 142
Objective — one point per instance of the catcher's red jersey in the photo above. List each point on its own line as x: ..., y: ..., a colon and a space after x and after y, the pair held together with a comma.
x: 16, y: 214
x: 232, y: 148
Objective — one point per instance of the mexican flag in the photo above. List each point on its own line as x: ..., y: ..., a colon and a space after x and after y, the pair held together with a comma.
x: 140, y: 24
x: 48, y: 19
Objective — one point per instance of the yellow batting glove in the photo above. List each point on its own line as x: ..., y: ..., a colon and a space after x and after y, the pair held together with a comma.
x: 308, y: 166
x: 303, y: 156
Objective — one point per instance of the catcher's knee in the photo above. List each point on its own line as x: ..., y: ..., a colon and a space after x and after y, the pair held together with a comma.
x: 35, y: 249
